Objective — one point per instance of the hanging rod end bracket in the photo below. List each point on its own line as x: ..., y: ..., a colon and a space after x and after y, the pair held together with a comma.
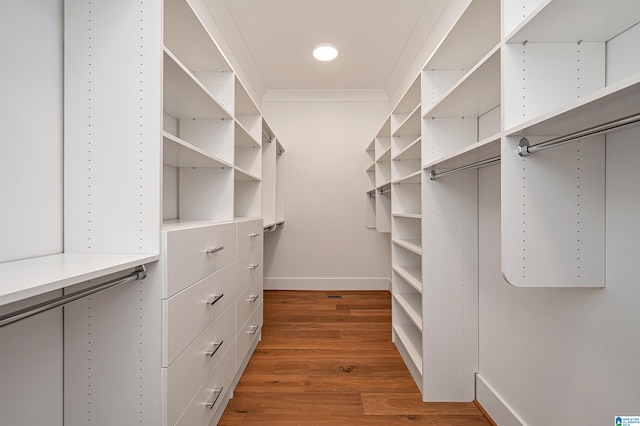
x: 432, y: 175
x: 523, y: 147
x: 141, y: 271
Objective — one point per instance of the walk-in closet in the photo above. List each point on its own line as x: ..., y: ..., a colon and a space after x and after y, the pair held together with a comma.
x: 206, y: 222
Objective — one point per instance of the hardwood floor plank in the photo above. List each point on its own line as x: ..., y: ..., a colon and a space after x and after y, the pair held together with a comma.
x: 325, y: 361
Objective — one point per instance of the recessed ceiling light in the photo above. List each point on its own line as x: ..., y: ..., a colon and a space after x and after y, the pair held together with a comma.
x: 325, y: 52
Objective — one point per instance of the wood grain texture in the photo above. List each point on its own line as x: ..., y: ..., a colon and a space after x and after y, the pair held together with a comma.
x: 325, y: 361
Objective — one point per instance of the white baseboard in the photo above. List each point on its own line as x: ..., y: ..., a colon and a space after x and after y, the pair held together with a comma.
x: 495, y: 406
x: 321, y: 284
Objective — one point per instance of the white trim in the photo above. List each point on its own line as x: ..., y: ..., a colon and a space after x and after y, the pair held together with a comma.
x: 327, y: 284
x: 501, y: 413
x: 325, y: 95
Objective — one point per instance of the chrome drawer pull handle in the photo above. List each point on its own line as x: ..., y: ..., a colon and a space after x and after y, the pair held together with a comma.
x: 216, y: 395
x: 253, y: 235
x: 253, y: 329
x: 215, y: 299
x: 253, y: 297
x: 216, y: 346
x: 253, y: 266
x: 214, y: 249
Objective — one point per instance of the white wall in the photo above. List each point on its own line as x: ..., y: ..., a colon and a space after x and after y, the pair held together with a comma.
x: 31, y: 198
x: 566, y: 356
x: 325, y: 243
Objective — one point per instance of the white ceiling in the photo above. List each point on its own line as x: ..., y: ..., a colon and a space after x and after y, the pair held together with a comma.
x: 378, y: 39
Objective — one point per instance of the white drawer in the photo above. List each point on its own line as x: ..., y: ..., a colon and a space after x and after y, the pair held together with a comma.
x: 192, y: 254
x: 250, y: 236
x: 249, y: 268
x: 248, y: 301
x: 249, y: 334
x: 216, y: 386
x: 187, y: 373
x: 189, y: 312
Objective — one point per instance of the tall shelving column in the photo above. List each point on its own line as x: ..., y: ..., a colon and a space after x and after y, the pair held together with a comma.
x: 460, y: 128
x: 383, y: 177
x: 594, y: 81
x: 370, y: 185
x: 406, y: 234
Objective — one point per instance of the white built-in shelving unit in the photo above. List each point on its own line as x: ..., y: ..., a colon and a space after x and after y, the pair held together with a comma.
x: 163, y: 169
x: 508, y: 80
x: 273, y: 172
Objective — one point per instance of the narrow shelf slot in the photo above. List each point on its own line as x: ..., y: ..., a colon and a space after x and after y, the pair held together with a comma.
x: 179, y: 153
x: 411, y: 340
x: 410, y: 152
x: 413, y: 178
x: 412, y: 306
x: 411, y: 274
x: 413, y: 245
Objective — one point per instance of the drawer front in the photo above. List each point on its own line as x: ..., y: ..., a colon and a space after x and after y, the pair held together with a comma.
x: 198, y: 413
x: 250, y: 236
x: 249, y: 268
x: 248, y: 301
x: 187, y: 373
x: 189, y: 312
x: 194, y: 253
x: 248, y: 335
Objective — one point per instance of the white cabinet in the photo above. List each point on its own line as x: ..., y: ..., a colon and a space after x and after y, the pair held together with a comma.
x: 211, y: 326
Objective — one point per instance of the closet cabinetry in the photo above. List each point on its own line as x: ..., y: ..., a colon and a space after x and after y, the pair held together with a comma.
x: 568, y: 69
x: 378, y: 180
x: 508, y: 80
x: 273, y: 178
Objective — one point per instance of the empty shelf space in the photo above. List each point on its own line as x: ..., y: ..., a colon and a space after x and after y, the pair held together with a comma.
x: 476, y: 93
x: 413, y: 245
x: 408, y: 124
x: 411, y: 340
x: 410, y: 152
x: 179, y: 153
x: 411, y: 274
x: 244, y: 175
x: 412, y: 305
x: 576, y: 20
x: 482, y: 150
x: 413, y: 178
x: 184, y: 95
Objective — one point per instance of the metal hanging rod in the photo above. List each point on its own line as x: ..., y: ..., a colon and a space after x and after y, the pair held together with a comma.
x: 139, y: 274
x: 272, y: 228
x: 478, y: 164
x: 372, y: 193
x: 268, y: 136
x: 386, y: 191
x: 524, y: 149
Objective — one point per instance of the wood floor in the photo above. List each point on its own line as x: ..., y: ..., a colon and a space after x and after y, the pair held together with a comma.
x: 327, y: 361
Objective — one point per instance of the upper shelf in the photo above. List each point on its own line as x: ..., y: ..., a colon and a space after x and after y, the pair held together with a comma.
x: 32, y: 277
x: 179, y: 153
x: 184, y: 94
x: 619, y: 100
x: 476, y: 93
x: 576, y: 20
x: 410, y: 100
x: 472, y: 36
x: 186, y: 36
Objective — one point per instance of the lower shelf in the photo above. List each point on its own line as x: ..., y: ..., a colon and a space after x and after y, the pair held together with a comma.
x: 409, y: 342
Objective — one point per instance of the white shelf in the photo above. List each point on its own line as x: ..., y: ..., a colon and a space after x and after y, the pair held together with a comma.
x: 409, y: 126
x: 575, y: 20
x: 184, y: 95
x: 384, y: 186
x: 242, y: 175
x: 243, y: 137
x: 412, y: 178
x: 411, y: 152
x: 411, y: 341
x: 412, y: 275
x: 610, y: 103
x: 408, y: 215
x: 31, y: 277
x: 471, y: 37
x: 482, y: 150
x: 412, y: 306
x: 412, y: 245
x: 476, y: 93
x: 410, y: 99
x: 179, y: 153
x: 385, y: 156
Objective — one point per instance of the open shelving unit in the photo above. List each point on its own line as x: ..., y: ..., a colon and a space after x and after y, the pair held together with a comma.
x: 594, y: 82
x: 273, y: 179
